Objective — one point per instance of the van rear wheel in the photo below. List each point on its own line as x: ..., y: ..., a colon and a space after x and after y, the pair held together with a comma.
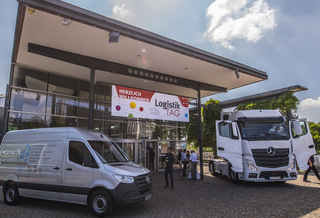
x: 11, y: 194
x: 101, y: 203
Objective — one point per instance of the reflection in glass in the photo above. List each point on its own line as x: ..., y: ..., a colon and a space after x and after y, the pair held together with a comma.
x: 53, y: 121
x: 25, y: 121
x: 30, y: 79
x: 63, y: 85
x: 27, y: 101
x: 59, y: 105
x: 83, y: 108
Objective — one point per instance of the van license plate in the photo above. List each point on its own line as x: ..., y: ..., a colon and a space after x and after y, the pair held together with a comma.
x: 274, y: 177
x: 147, y: 197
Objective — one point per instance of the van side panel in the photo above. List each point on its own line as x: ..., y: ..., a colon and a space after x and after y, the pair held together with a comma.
x: 36, y: 161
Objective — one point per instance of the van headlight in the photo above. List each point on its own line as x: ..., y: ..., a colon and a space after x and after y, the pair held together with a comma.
x: 123, y: 179
x: 250, y: 165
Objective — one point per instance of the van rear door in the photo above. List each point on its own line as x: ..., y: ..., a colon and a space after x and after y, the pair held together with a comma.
x: 77, y: 176
x: 229, y: 145
x: 302, y: 144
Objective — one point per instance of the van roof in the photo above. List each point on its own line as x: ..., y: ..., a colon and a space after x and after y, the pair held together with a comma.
x: 55, y: 133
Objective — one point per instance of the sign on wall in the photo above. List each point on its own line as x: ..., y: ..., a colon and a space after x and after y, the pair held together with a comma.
x: 128, y: 102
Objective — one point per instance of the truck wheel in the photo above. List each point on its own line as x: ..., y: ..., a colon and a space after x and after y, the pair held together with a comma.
x: 212, y: 169
x: 11, y: 194
x: 100, y: 203
x: 233, y: 176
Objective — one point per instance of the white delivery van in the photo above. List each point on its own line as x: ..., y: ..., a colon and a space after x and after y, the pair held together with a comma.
x: 70, y: 165
x: 257, y: 145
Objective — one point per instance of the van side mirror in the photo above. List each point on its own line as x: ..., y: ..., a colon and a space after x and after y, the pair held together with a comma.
x: 88, y: 161
x: 297, y: 130
x: 235, y: 134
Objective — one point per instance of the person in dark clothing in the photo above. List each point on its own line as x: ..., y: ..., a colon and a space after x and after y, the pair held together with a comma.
x: 151, y: 159
x: 169, y: 168
x: 311, y: 167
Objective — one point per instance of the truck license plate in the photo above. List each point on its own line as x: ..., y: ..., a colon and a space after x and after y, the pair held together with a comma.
x: 274, y: 177
x: 147, y: 197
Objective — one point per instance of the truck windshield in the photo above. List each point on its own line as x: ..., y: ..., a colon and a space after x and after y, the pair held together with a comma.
x: 109, y: 152
x: 259, y: 130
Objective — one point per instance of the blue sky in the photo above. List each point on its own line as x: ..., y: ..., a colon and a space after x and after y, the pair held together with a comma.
x: 278, y: 37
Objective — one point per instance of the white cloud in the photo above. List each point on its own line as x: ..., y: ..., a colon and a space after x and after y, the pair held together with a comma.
x: 122, y: 12
x: 241, y: 19
x: 310, y: 108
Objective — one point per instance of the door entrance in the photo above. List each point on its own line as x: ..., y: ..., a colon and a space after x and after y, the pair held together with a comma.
x: 151, y: 154
x: 135, y: 149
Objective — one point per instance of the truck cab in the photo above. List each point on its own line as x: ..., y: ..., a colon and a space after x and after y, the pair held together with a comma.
x: 260, y: 146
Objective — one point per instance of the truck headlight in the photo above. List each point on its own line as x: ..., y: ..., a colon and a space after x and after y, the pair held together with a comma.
x: 292, y: 164
x: 250, y: 165
x: 123, y: 179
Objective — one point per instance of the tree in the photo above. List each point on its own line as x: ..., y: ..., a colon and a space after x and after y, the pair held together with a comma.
x: 192, y: 131
x: 287, y: 103
x: 315, y: 131
x: 210, y: 112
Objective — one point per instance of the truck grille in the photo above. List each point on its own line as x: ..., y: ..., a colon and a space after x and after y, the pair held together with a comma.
x: 279, y: 159
x: 143, y: 181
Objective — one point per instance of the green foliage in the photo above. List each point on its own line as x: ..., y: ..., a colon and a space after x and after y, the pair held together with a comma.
x: 315, y: 130
x: 192, y: 131
x: 286, y: 103
x: 210, y: 112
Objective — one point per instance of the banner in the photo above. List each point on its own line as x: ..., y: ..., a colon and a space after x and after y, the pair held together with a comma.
x: 135, y: 103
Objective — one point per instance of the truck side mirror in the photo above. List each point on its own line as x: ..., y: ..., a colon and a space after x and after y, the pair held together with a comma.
x: 235, y: 134
x: 297, y: 131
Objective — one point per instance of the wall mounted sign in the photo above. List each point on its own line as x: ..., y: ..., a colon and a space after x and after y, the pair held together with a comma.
x: 135, y: 103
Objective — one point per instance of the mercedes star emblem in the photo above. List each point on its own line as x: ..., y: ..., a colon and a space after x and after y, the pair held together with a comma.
x: 271, y: 151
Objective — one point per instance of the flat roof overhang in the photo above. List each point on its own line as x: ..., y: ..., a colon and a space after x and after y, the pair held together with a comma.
x: 140, y: 59
x: 261, y: 96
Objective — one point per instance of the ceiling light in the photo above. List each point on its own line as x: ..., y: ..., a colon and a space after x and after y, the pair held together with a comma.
x: 31, y: 10
x: 114, y: 36
x: 65, y: 22
x: 236, y: 71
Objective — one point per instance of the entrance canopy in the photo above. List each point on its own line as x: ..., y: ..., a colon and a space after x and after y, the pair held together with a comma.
x: 62, y: 38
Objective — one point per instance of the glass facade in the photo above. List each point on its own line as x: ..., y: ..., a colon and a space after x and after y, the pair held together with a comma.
x: 44, y: 99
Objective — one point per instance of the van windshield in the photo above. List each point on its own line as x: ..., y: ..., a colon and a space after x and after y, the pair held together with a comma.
x: 108, y: 152
x: 259, y: 130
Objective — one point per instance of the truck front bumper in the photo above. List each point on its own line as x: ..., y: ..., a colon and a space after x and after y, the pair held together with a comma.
x: 270, y: 175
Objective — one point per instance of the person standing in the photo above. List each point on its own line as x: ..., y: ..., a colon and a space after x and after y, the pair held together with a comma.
x: 169, y: 168
x: 184, y: 162
x: 151, y: 159
x: 311, y: 167
x: 179, y: 159
x: 188, y: 159
x: 194, y: 162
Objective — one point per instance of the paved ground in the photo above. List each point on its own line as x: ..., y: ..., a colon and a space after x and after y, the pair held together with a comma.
x: 210, y: 197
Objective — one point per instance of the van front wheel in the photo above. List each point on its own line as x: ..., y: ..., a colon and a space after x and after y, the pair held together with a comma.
x: 11, y: 194
x: 100, y: 203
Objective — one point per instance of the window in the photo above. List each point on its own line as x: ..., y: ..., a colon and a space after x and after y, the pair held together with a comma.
x: 78, y: 153
x: 108, y: 152
x: 225, y: 129
x: 304, y: 127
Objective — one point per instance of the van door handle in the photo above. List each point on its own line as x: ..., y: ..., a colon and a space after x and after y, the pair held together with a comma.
x: 56, y: 168
x: 220, y: 148
x: 311, y: 146
x: 69, y: 169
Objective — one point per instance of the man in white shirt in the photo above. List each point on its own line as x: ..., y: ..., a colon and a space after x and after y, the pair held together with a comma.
x: 194, y: 162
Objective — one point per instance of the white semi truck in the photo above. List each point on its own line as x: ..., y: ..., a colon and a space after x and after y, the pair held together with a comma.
x: 259, y: 146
